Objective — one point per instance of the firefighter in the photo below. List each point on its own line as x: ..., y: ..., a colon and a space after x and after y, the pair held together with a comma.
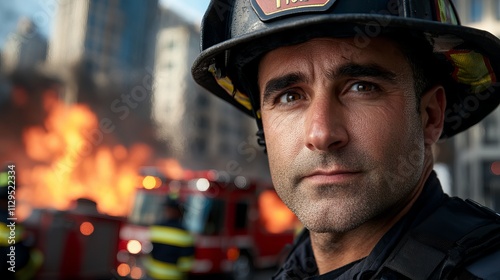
x: 18, y: 259
x: 173, y: 246
x: 349, y: 97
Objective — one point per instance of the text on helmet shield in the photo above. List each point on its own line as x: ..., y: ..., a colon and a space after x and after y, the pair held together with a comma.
x: 269, y: 9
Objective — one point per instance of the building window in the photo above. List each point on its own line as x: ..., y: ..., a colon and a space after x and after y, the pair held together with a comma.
x: 198, y: 146
x: 497, y: 10
x: 224, y: 149
x: 491, y: 130
x: 202, y: 123
x: 223, y: 128
x: 202, y: 101
x: 241, y: 216
x: 171, y: 44
x: 476, y: 10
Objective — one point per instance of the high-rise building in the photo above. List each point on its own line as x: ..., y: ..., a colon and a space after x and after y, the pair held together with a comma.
x: 25, y: 48
x: 202, y: 131
x: 477, y: 150
x: 111, y: 38
x: 482, y: 14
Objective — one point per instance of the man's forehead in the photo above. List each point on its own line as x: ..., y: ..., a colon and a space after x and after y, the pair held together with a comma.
x: 335, y: 47
x: 336, y: 57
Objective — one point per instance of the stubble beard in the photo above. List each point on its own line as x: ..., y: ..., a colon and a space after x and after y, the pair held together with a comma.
x: 339, y: 208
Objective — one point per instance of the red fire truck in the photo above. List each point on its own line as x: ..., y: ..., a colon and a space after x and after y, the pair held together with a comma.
x: 79, y: 243
x: 239, y: 224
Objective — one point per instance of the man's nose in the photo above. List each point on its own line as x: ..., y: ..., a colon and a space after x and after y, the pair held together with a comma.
x: 325, y: 125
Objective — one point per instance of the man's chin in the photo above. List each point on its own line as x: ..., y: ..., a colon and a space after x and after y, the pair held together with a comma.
x: 327, y: 223
x: 328, y: 228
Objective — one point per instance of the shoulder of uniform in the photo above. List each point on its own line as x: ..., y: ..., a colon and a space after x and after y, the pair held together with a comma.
x: 486, y: 267
x: 483, y: 209
x: 458, y: 234
x: 462, y: 226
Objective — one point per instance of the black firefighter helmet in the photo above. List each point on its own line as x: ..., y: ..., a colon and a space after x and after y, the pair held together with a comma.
x: 235, y: 34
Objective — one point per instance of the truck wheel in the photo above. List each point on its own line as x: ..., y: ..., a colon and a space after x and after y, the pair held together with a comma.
x: 243, y: 268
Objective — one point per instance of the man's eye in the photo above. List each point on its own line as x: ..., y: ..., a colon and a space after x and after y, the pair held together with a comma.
x: 289, y: 97
x: 363, y: 87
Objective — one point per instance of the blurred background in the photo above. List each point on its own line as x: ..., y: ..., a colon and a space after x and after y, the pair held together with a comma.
x: 100, y: 115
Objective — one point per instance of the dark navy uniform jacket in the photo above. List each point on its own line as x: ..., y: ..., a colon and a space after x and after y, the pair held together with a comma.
x: 301, y: 264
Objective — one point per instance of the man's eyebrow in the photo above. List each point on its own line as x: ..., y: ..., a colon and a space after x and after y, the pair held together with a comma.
x: 281, y: 83
x: 362, y: 70
x: 346, y: 70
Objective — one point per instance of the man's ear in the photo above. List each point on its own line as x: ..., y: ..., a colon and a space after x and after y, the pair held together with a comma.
x: 432, y: 107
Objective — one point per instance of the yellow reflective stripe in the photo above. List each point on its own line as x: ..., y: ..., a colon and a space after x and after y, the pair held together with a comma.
x: 185, y: 263
x: 4, y: 179
x: 243, y: 99
x: 171, y: 236
x: 5, y: 234
x: 162, y: 270
x: 227, y: 85
x: 472, y: 68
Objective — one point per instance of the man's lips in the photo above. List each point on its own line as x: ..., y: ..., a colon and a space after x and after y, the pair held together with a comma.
x: 330, y: 176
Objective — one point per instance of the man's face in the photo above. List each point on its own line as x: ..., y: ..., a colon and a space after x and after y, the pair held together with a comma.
x: 343, y: 135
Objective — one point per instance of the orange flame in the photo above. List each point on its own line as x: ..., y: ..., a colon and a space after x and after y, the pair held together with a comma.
x: 73, y: 162
x: 171, y: 168
x: 275, y: 214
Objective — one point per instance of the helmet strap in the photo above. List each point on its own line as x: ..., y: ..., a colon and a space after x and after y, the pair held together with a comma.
x: 260, y: 136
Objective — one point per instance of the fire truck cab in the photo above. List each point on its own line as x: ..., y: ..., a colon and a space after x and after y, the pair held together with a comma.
x: 239, y: 224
